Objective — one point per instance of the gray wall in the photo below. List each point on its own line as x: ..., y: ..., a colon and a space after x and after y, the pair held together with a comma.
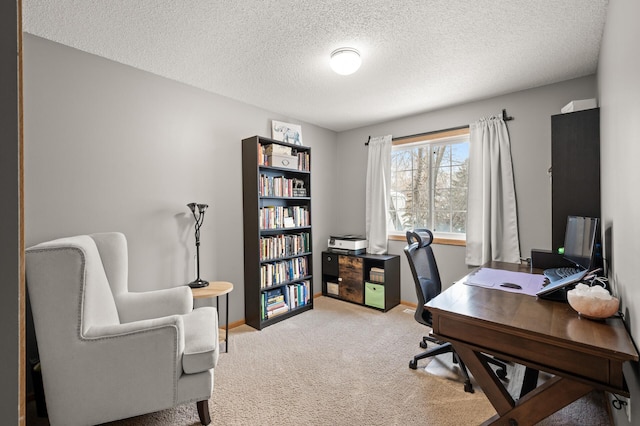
x: 530, y: 133
x: 112, y: 148
x: 9, y: 216
x: 619, y: 87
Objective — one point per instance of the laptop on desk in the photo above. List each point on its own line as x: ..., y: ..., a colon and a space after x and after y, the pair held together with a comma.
x: 562, y: 283
x: 580, y: 243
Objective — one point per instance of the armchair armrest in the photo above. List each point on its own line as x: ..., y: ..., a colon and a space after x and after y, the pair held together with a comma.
x: 173, y: 323
x: 154, y: 304
x: 139, y: 361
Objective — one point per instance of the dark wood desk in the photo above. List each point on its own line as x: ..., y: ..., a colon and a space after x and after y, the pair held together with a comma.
x: 541, y: 334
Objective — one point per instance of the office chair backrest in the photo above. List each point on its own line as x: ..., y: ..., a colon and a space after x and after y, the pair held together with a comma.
x: 424, y: 270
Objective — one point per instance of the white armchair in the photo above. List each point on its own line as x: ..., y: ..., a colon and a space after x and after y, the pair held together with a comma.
x: 106, y: 353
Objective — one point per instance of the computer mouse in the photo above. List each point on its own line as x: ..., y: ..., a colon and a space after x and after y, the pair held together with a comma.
x: 511, y: 285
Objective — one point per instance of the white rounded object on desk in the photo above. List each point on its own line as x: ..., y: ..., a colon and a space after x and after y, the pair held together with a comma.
x: 592, y: 302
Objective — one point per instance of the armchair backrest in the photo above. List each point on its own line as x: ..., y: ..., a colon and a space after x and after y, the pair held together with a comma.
x: 112, y: 247
x: 424, y: 270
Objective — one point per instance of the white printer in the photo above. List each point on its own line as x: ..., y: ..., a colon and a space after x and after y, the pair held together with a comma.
x: 352, y: 244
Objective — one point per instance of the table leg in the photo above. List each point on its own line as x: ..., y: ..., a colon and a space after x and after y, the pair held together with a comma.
x: 226, y: 327
x: 226, y: 334
x: 536, y: 405
x: 530, y: 381
x: 551, y: 396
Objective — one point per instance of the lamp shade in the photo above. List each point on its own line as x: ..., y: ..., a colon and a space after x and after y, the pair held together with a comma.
x: 345, y: 60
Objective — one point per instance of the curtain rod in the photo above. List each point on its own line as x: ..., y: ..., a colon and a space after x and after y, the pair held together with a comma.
x: 505, y: 117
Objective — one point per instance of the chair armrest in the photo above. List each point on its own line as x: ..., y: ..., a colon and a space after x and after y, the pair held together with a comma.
x: 169, y: 329
x: 139, y: 361
x: 154, y: 304
x: 141, y: 326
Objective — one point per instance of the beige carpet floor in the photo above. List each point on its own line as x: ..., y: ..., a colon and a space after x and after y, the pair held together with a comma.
x: 343, y: 364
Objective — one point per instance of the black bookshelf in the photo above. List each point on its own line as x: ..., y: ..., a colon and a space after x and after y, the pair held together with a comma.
x: 278, y: 261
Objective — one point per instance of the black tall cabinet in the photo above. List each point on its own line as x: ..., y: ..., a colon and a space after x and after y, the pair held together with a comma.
x: 575, y: 169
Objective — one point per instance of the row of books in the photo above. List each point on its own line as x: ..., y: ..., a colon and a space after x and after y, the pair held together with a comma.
x: 304, y: 161
x: 274, y: 217
x: 280, y: 186
x: 279, y: 272
x: 284, y: 245
x: 283, y: 299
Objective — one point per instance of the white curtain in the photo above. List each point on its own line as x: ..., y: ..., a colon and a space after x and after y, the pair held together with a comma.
x: 378, y: 189
x: 492, y: 219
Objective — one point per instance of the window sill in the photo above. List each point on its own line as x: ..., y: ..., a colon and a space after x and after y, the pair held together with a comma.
x: 443, y: 241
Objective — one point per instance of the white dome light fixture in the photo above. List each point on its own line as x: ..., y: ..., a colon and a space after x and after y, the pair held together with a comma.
x: 345, y: 60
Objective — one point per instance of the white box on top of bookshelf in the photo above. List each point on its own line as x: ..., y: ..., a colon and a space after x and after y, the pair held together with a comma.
x: 275, y: 149
x: 284, y: 161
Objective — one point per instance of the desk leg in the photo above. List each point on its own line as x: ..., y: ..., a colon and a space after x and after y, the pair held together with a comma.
x: 493, y: 388
x: 529, y: 382
x: 536, y: 405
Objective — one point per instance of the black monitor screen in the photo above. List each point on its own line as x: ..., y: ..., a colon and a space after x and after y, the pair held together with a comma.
x: 580, y: 240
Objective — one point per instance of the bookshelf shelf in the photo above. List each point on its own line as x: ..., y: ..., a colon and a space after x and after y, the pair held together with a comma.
x: 275, y: 259
x: 278, y: 259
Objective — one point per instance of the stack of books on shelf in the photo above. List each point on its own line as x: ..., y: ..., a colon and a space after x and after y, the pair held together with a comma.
x: 284, y: 299
x: 280, y: 272
x: 298, y: 188
x: 274, y: 217
x: 274, y: 303
x: 284, y: 245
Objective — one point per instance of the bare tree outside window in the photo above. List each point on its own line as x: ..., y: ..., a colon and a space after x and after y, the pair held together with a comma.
x: 429, y: 185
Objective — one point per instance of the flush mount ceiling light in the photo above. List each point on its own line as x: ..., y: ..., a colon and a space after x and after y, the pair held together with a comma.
x: 345, y: 60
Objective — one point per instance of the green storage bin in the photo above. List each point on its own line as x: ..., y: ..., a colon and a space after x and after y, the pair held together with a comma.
x: 374, y: 295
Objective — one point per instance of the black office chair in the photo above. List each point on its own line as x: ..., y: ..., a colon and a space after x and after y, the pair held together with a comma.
x: 428, y: 285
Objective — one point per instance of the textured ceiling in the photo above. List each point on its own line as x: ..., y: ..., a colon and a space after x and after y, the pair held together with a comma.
x: 417, y: 55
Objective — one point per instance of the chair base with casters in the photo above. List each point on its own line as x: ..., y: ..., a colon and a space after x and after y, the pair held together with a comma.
x: 445, y: 347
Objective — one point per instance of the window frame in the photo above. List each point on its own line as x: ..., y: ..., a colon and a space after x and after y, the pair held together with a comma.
x: 439, y: 137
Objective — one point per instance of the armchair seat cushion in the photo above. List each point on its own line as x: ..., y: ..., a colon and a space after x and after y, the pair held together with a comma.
x: 201, y: 340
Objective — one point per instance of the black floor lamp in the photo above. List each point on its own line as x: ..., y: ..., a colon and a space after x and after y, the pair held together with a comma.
x: 199, y: 217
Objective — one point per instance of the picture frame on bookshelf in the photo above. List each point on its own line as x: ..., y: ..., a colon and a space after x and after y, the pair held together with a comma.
x: 286, y: 132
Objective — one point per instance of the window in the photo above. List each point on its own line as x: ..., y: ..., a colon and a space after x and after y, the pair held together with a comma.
x: 429, y: 176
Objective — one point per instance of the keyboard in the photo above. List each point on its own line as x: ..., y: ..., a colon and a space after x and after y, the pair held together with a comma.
x: 555, y: 274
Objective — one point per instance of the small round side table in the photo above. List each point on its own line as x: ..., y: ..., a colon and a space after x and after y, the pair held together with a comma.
x: 217, y: 289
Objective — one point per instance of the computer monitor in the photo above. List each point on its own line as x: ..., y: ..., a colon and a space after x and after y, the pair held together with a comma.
x: 580, y: 239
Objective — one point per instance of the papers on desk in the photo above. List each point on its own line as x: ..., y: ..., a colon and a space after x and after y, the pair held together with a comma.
x: 494, y: 278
